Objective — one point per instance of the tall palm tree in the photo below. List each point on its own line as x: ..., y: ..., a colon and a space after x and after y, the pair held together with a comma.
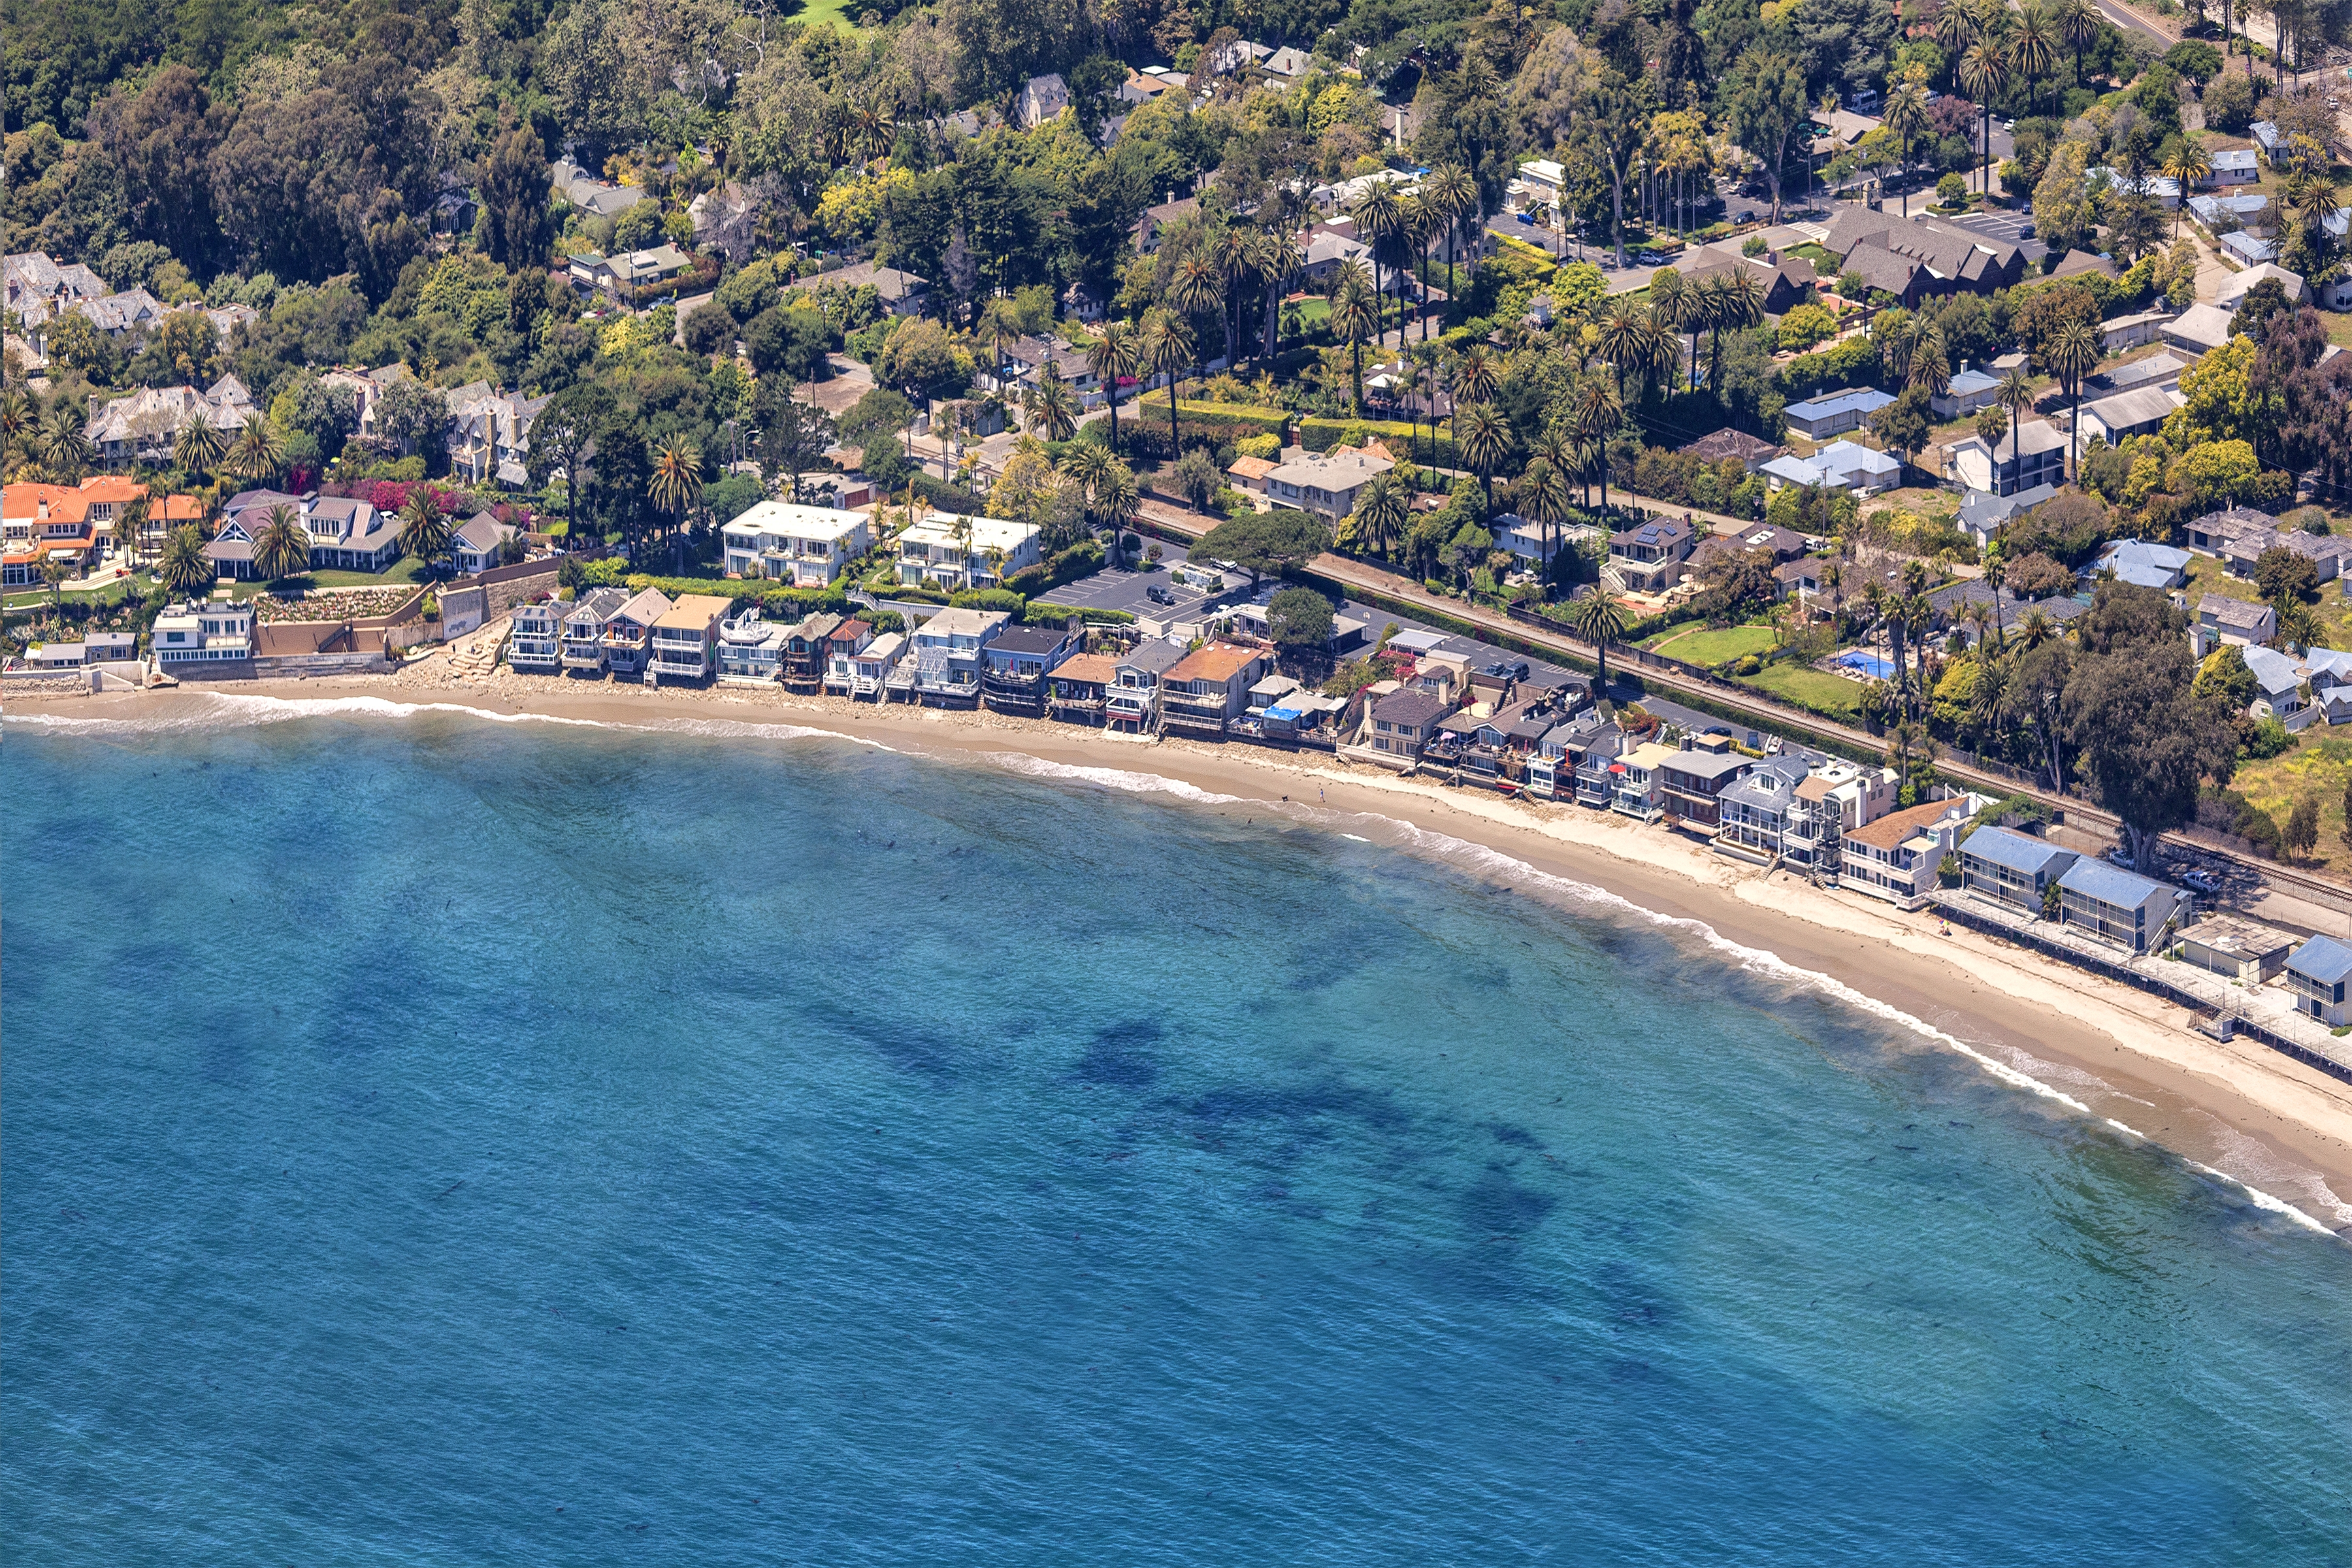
x: 260, y: 452
x: 1599, y: 617
x: 1196, y: 289
x: 1382, y: 506
x: 1482, y: 435
x: 1089, y: 467
x: 197, y: 449
x: 282, y: 549
x: 424, y: 531
x: 131, y: 528
x: 2030, y: 50
x: 1599, y: 412
x: 1475, y: 376
x: 2073, y: 353
x: 1996, y: 574
x: 2078, y: 24
x: 1451, y: 193
x: 1120, y: 502
x: 1275, y: 261
x: 1543, y: 500
x: 1671, y: 304
x: 1354, y: 315
x: 1622, y: 342
x: 2016, y: 395
x: 1378, y: 214
x: 2188, y: 163
x: 1114, y: 353
x: 1166, y: 348
x: 1001, y: 325
x: 1984, y: 72
x: 1907, y: 116
x: 1420, y: 223
x: 1710, y: 312
x: 185, y: 569
x: 1051, y: 408
x: 675, y: 481
x: 1231, y: 254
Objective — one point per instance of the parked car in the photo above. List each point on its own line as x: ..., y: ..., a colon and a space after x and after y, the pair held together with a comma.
x: 2200, y: 881
x: 1158, y: 595
x: 2026, y: 232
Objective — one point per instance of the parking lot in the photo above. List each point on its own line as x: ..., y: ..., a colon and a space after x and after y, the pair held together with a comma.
x: 2002, y: 225
x: 1110, y: 589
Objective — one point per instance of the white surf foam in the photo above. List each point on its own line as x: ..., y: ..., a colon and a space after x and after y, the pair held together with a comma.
x: 228, y: 710
x: 1494, y: 863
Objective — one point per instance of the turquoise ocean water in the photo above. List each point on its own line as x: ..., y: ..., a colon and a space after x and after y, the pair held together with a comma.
x: 429, y: 1140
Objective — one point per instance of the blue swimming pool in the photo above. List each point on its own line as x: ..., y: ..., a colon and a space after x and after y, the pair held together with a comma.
x: 1876, y: 667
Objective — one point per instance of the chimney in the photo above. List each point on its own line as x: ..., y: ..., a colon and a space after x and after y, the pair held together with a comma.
x: 41, y: 509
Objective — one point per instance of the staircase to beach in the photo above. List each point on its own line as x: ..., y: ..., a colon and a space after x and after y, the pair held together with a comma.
x: 476, y: 653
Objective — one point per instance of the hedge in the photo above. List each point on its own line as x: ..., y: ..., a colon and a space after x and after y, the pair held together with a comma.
x: 1080, y: 560
x: 1145, y: 409
x: 1320, y: 433
x: 1038, y: 615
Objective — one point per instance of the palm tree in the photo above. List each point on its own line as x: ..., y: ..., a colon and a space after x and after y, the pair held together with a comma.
x: 198, y: 447
x: 282, y: 549
x: 1232, y: 257
x: 1196, y: 289
x: 1599, y: 617
x: 1114, y: 355
x: 2030, y: 51
x: 1929, y: 366
x: 260, y: 452
x: 2035, y: 629
x: 17, y: 417
x: 1476, y: 377
x: 424, y: 531
x: 2016, y: 395
x: 1996, y: 573
x: 2187, y: 163
x: 1166, y: 348
x: 64, y: 446
x: 2073, y: 353
x: 1378, y: 214
x: 1001, y: 326
x: 1051, y: 409
x: 1599, y: 413
x: 1984, y: 72
x: 1743, y: 307
x: 1670, y: 305
x: 1277, y: 262
x: 1451, y: 193
x: 1710, y: 305
x: 130, y: 528
x: 185, y: 569
x: 1907, y: 116
x: 1382, y: 506
x: 2078, y: 25
x: 1622, y: 342
x: 1353, y: 317
x: 1482, y: 435
x: 1422, y: 222
x: 1119, y: 502
x: 1543, y: 499
x: 2299, y: 628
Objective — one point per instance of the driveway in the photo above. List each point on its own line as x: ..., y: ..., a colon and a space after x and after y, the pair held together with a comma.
x: 2003, y: 226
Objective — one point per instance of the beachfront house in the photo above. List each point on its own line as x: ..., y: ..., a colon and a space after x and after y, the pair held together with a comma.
x: 1209, y: 688
x: 806, y: 546
x: 583, y: 630
x: 2316, y: 973
x: 686, y: 639
x: 806, y: 647
x: 1691, y: 782
x: 2013, y: 871
x: 751, y: 648
x: 1837, y: 797
x: 1403, y: 722
x: 958, y: 553
x: 1590, y: 756
x: 841, y: 650
x: 2105, y: 901
x: 629, y: 635
x: 1754, y: 810
x: 870, y: 666
x: 535, y: 645
x: 1895, y: 857
x: 1132, y: 699
x: 1078, y: 687
x: 1014, y: 668
x: 947, y: 655
x: 203, y: 638
x: 1633, y: 787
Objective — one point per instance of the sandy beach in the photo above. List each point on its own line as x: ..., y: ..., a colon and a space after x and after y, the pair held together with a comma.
x: 2251, y: 1114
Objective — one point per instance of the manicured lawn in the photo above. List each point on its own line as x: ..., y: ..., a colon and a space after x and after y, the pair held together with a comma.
x: 408, y: 569
x: 823, y: 12
x: 1832, y: 696
x: 1710, y: 646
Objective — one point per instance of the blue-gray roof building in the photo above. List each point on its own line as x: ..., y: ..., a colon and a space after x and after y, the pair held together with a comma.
x: 1838, y: 412
x: 2106, y: 901
x: 2317, y: 973
x: 2011, y: 869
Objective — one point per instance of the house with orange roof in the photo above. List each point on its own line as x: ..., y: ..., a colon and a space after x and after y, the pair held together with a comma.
x: 1209, y: 688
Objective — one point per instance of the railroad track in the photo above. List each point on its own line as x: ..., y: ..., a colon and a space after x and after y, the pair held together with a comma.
x: 1388, y: 590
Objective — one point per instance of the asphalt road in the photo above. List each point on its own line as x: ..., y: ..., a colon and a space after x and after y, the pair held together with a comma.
x: 1130, y: 590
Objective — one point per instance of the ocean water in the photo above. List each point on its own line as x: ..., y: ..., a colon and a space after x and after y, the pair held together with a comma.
x: 436, y: 1142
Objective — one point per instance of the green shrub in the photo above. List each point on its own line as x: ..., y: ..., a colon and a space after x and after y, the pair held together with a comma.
x: 1320, y: 433
x: 2266, y: 739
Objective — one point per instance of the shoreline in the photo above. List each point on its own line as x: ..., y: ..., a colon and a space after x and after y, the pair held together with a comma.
x: 2250, y: 1115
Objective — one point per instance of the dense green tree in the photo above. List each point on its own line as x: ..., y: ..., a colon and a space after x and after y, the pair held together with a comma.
x: 515, y: 186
